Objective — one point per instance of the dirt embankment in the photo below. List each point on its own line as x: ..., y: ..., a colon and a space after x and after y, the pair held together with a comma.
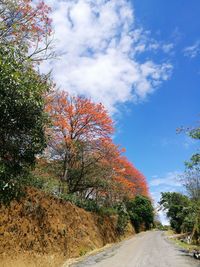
x: 44, y: 231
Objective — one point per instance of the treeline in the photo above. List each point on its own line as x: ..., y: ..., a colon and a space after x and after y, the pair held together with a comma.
x: 183, y: 210
x: 51, y: 140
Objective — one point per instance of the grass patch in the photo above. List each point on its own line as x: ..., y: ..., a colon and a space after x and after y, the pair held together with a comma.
x: 83, y: 251
x: 169, y: 232
x: 186, y: 246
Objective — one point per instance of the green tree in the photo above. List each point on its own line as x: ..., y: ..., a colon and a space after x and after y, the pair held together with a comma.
x: 174, y: 204
x: 22, y: 120
x: 191, y: 181
x: 141, y: 212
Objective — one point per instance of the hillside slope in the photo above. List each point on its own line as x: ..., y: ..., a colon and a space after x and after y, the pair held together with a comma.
x: 41, y: 230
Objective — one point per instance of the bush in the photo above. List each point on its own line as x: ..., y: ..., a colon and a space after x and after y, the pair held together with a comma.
x: 10, y: 190
x: 123, y: 218
x: 105, y: 211
x: 87, y: 204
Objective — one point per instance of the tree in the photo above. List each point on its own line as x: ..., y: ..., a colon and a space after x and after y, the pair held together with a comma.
x: 191, y: 177
x: 191, y: 222
x: 27, y: 27
x: 22, y: 119
x: 79, y: 135
x: 174, y: 204
x: 92, y: 166
x: 188, y: 214
x: 191, y: 181
x: 141, y: 212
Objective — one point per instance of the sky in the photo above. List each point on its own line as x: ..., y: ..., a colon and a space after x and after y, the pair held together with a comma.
x: 141, y: 60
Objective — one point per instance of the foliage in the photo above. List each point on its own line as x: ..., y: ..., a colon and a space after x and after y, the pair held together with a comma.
x: 194, y: 161
x: 90, y: 164
x: 141, y: 212
x: 10, y: 185
x: 22, y: 118
x: 87, y: 204
x: 184, y: 211
x: 47, y: 173
x: 191, y: 178
x: 36, y: 181
x: 132, y: 180
x: 162, y: 227
x: 123, y: 218
x: 80, y: 131
x: 174, y: 204
x: 27, y: 27
x: 191, y: 181
x: 190, y: 215
x: 194, y: 133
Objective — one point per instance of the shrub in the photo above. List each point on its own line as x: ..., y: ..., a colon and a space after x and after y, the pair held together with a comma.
x: 123, y: 218
x: 87, y: 204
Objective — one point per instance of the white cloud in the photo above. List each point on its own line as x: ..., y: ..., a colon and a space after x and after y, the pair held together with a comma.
x: 163, y: 218
x: 167, y: 48
x: 193, y: 50
x: 99, y: 43
x: 170, y: 179
x: 160, y: 213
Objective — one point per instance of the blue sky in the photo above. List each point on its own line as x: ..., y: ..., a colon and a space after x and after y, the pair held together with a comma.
x: 148, y: 131
x: 141, y: 60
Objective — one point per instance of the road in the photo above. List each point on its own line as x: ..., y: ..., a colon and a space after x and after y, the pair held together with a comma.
x: 150, y: 249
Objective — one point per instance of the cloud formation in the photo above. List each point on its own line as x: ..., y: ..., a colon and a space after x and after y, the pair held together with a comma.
x: 99, y: 46
x: 170, y: 179
x: 193, y: 50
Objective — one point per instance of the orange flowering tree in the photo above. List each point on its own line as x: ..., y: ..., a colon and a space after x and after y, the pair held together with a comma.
x: 91, y: 164
x: 80, y: 129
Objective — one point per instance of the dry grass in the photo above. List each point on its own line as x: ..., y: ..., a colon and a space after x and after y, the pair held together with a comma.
x: 25, y: 260
x: 43, y: 231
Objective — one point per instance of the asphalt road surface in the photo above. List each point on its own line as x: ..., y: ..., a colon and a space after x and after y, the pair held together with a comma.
x: 150, y: 249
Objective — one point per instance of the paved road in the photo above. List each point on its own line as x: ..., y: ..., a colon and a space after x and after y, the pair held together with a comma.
x: 150, y: 249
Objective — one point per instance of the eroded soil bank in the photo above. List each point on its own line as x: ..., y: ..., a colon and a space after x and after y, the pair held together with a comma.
x: 41, y: 230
